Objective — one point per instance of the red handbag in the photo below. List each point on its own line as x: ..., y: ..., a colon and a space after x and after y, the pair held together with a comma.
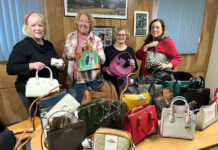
x: 214, y: 97
x: 116, y: 66
x: 141, y: 122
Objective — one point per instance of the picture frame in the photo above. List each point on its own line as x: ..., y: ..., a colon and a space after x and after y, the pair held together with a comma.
x: 141, y: 23
x: 114, y: 9
x: 105, y: 33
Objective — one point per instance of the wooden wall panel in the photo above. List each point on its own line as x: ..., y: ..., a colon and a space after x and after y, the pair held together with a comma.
x: 59, y: 26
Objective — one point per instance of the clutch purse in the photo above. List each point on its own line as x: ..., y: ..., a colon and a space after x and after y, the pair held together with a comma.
x: 39, y: 86
x: 206, y: 116
x: 178, y: 124
x: 154, y: 59
x: 112, y: 139
x: 116, y: 66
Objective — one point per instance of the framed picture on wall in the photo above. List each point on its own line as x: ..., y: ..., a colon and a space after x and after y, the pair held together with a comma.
x: 105, y: 33
x: 116, y: 9
x: 140, y: 23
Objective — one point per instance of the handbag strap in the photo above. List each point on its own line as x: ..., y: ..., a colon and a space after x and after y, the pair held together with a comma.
x: 150, y: 118
x: 194, y: 82
x: 51, y: 74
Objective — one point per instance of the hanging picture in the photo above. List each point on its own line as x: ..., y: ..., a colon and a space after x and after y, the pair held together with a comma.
x: 105, y: 33
x: 116, y: 9
x: 140, y: 23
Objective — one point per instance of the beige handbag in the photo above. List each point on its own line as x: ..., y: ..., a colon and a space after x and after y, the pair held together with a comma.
x: 178, y: 124
x: 112, y: 139
x: 206, y: 116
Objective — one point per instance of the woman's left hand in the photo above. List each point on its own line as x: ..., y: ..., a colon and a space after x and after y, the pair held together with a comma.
x: 166, y: 66
x: 132, y: 62
x: 61, y: 68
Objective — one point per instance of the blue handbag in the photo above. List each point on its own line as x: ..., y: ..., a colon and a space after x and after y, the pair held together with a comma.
x: 177, y: 86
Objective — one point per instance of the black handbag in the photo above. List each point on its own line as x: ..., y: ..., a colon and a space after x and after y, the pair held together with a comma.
x: 197, y: 92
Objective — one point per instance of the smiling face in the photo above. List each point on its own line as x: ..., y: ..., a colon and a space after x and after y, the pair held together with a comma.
x: 156, y: 29
x: 84, y: 25
x: 35, y: 28
x: 121, y: 37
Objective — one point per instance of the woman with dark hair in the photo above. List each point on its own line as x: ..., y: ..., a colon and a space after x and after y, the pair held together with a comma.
x: 7, y: 138
x: 156, y: 39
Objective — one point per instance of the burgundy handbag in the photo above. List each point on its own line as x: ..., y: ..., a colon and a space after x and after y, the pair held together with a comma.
x: 117, y: 68
x: 141, y: 122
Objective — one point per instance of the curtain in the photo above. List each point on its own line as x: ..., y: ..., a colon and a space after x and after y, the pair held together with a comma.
x: 183, y: 19
x: 12, y: 14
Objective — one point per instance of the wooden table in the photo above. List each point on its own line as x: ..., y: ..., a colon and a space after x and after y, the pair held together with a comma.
x: 204, y: 138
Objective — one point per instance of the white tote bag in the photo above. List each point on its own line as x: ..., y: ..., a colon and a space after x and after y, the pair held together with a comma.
x: 39, y: 86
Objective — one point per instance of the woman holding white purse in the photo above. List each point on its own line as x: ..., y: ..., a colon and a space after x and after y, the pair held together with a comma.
x: 31, y: 54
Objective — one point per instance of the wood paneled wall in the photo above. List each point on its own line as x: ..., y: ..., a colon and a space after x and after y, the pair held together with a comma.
x: 59, y: 26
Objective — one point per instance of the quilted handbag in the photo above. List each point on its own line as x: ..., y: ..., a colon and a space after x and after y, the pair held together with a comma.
x: 178, y: 124
x: 206, y: 116
x: 162, y: 98
x: 116, y: 67
x: 141, y: 122
x: 153, y: 59
x: 88, y: 60
x: 112, y: 139
x: 39, y: 86
x: 93, y: 113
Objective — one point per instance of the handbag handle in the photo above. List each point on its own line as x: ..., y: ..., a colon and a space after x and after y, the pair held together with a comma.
x: 150, y: 118
x: 193, y: 81
x: 172, y: 117
x: 51, y: 74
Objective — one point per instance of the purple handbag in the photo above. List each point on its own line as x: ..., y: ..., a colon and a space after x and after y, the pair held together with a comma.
x: 116, y: 66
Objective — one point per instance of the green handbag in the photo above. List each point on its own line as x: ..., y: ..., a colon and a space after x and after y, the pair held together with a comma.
x: 177, y: 86
x: 93, y: 113
x: 89, y: 60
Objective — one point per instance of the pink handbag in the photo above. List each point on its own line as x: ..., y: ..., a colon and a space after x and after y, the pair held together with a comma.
x: 116, y: 66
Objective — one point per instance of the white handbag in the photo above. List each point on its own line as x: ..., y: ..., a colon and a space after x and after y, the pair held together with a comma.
x: 39, y: 86
x: 206, y: 116
x: 178, y: 124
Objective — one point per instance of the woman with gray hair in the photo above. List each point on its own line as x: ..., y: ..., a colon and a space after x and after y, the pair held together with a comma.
x: 79, y: 81
x: 31, y: 54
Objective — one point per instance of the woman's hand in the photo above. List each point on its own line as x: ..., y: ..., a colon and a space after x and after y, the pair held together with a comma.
x: 61, y: 68
x: 37, y: 66
x: 105, y: 69
x: 166, y: 66
x: 70, y: 56
x: 152, y: 44
x: 132, y: 62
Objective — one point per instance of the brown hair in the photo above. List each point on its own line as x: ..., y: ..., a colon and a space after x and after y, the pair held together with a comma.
x: 162, y: 36
x: 91, y: 19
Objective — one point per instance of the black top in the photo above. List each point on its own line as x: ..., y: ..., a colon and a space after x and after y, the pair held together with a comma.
x: 111, y: 52
x: 28, y: 51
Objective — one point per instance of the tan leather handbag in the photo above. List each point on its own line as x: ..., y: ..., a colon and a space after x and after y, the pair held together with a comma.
x: 107, y: 91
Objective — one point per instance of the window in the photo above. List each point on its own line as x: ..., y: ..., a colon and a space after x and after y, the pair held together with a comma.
x: 12, y: 14
x: 183, y: 19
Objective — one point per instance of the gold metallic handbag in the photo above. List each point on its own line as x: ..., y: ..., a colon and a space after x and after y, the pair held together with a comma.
x: 112, y: 139
x: 206, y: 116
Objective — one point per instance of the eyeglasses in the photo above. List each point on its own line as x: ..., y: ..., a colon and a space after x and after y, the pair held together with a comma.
x: 84, y: 21
x: 121, y: 34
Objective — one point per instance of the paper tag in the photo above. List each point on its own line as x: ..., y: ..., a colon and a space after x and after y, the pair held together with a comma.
x: 111, y: 142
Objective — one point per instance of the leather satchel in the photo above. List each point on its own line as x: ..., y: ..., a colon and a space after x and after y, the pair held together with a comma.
x: 107, y: 91
x: 178, y: 124
x: 88, y: 60
x: 39, y: 86
x: 112, y: 139
x: 206, y: 116
x: 141, y: 122
x: 154, y: 59
x: 93, y: 113
x: 116, y: 67
x: 162, y: 98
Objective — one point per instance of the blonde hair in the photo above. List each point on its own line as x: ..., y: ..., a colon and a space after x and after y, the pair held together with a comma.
x: 38, y: 17
x: 118, y: 29
x: 90, y: 18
